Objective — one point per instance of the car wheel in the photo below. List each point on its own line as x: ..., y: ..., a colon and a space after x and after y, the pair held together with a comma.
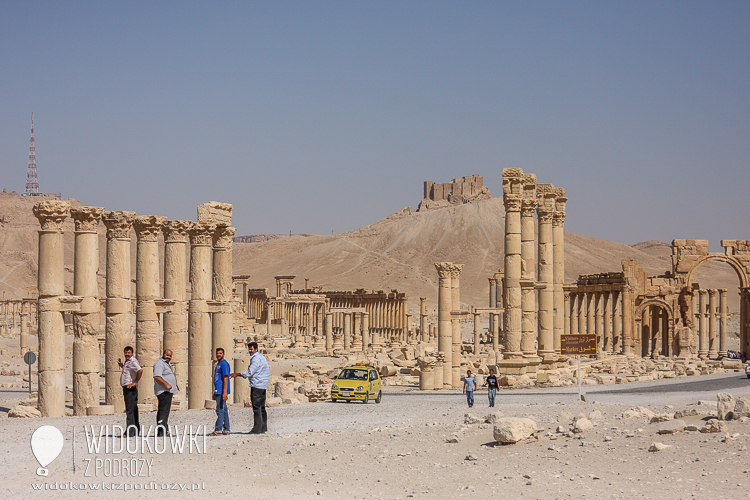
x: 334, y: 400
x: 380, y: 397
x: 348, y: 400
x: 367, y: 397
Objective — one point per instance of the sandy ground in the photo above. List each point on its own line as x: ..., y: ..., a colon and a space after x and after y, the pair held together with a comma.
x: 398, y: 449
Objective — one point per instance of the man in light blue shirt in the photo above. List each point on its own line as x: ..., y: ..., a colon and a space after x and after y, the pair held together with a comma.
x: 257, y: 374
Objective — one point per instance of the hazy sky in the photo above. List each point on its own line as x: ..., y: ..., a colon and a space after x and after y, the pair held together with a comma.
x: 326, y: 116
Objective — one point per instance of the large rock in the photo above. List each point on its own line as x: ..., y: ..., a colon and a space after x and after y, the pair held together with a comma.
x: 24, y: 412
x: 582, y: 425
x: 638, y: 412
x: 741, y: 408
x: 662, y: 417
x: 320, y: 393
x: 724, y: 404
x: 714, y: 425
x: 513, y: 429
x: 284, y: 389
x: 671, y: 427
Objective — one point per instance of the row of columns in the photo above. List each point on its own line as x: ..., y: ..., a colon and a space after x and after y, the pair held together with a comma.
x: 597, y: 313
x: 526, y: 333
x: 449, y: 315
x: 710, y: 307
x: 187, y: 335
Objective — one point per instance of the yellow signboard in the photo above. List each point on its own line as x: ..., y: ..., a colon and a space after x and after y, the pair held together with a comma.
x: 578, y: 344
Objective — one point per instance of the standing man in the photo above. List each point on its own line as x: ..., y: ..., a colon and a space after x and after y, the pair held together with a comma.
x: 165, y: 384
x: 131, y: 374
x: 469, y: 384
x: 221, y: 394
x: 258, y: 374
x: 491, y: 383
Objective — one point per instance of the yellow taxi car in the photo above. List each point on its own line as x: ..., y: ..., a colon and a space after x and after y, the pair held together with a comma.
x: 358, y: 382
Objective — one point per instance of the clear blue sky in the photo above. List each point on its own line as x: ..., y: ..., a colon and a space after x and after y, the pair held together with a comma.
x: 326, y: 116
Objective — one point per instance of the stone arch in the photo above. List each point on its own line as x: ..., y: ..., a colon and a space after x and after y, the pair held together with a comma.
x: 738, y: 267
x: 650, y: 345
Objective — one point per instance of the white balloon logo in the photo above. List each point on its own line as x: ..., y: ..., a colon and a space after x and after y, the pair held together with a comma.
x: 46, y: 443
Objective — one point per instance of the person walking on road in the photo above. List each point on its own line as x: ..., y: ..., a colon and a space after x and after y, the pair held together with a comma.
x: 492, y: 386
x: 257, y: 374
x: 469, y: 384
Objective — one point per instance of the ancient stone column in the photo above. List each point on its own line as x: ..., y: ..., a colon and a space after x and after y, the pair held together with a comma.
x: 423, y: 319
x: 607, y: 305
x: 627, y: 321
x: 200, y: 383
x: 222, y: 332
x: 655, y: 331
x: 456, y: 325
x: 357, y: 333
x: 175, y: 287
x: 703, y: 304
x: 495, y: 333
x: 528, y: 249
x: 566, y: 325
x: 545, y: 211
x: 512, y: 194
x: 24, y: 328
x: 365, y: 330
x: 582, y: 311
x: 241, y: 389
x: 347, y: 331
x: 147, y: 328
x: 558, y: 268
x: 493, y: 297
x: 616, y: 298
x: 723, y: 322
x: 119, y: 310
x: 51, y: 368
x: 477, y: 317
x: 445, y: 330
x: 597, y: 297
x: 86, y: 319
x: 712, y: 340
x: 591, y: 314
x: 329, y: 331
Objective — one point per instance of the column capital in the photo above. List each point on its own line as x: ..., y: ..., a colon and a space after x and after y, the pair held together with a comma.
x: 456, y: 270
x: 118, y: 224
x: 712, y: 292
x: 223, y: 237
x: 148, y: 227
x: 201, y: 233
x: 51, y: 214
x: 702, y: 291
x: 512, y: 203
x: 86, y: 218
x: 444, y: 269
x: 528, y: 205
x: 498, y: 276
x: 723, y: 291
x: 493, y: 281
x: 558, y: 219
x: 175, y: 231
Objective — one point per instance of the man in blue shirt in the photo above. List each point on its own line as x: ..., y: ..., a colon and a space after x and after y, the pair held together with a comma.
x: 469, y: 384
x: 257, y: 374
x: 221, y: 394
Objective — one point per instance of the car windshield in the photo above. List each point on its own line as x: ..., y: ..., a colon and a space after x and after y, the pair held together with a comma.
x: 353, y: 374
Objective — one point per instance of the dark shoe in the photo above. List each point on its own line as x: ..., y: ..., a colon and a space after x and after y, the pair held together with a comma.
x: 254, y: 431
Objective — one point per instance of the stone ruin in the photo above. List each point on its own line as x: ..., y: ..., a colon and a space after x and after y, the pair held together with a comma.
x: 456, y: 192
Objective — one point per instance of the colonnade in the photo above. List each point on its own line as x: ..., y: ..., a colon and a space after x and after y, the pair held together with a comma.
x: 710, y: 318
x: 18, y: 317
x: 191, y: 329
x: 596, y: 312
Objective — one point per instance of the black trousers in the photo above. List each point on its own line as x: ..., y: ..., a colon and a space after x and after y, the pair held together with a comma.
x: 162, y: 414
x: 260, y: 419
x: 131, y: 410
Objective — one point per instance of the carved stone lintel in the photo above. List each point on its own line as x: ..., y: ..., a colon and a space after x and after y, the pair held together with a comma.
x: 87, y: 218
x: 51, y: 214
x: 223, y: 237
x: 118, y: 224
x: 175, y: 231
x: 201, y: 233
x: 148, y: 227
x: 444, y: 269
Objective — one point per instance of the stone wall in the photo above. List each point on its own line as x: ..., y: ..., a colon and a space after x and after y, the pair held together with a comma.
x: 455, y: 192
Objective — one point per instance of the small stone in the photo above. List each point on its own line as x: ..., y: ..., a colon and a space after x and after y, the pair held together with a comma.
x: 582, y: 425
x: 452, y: 439
x: 659, y: 446
x: 671, y: 427
x: 607, y: 438
x: 471, y: 457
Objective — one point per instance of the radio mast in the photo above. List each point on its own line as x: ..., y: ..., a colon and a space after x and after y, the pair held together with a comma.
x: 32, y: 186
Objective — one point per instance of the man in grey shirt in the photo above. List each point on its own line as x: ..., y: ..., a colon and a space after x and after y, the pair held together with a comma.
x: 165, y: 384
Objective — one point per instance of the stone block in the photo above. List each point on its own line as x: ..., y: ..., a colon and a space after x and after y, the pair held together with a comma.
x: 661, y: 417
x: 714, y: 425
x: 637, y: 412
x: 671, y: 427
x: 216, y: 213
x: 100, y: 410
x: 724, y: 404
x: 583, y: 425
x: 741, y: 408
x: 513, y: 429
x: 24, y: 412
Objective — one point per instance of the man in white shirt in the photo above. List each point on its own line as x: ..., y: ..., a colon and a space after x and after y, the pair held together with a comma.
x: 257, y: 374
x: 131, y: 374
x: 165, y: 384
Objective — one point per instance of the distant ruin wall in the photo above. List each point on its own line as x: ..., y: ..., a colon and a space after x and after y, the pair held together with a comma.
x: 456, y: 192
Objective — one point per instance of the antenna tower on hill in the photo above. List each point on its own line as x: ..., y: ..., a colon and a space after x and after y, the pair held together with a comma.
x: 32, y: 186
